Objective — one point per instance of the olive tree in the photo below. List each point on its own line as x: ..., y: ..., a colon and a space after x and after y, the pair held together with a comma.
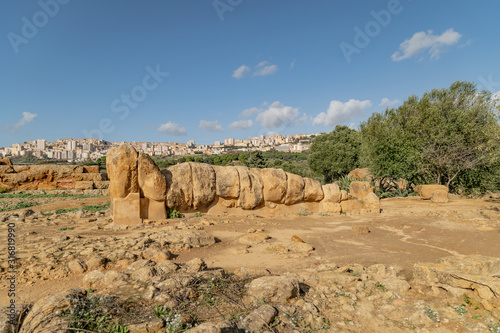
x: 336, y: 153
x: 436, y: 138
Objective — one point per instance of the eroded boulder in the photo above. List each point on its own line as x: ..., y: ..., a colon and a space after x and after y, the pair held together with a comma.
x: 426, y: 191
x: 312, y: 190
x: 180, y: 185
x: 121, y: 164
x: 152, y: 182
x: 227, y: 182
x: 295, y: 189
x: 273, y: 288
x: 204, y: 184
x: 275, y: 184
x: 251, y: 189
x: 45, y: 316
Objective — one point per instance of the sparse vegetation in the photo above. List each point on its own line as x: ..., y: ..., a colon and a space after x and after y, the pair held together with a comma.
x: 494, y: 328
x: 66, y: 210
x: 20, y: 205
x: 3, y: 189
x: 304, y: 212
x: 381, y: 286
x: 46, y: 195
x: 66, y: 228
x: 461, y: 310
x: 432, y: 314
x: 91, y: 314
x: 198, y: 214
x: 97, y: 208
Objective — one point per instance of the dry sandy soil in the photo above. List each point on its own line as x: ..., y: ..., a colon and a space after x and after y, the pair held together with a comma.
x: 407, y: 231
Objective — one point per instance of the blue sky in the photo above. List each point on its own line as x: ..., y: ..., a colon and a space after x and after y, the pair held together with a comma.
x: 163, y: 70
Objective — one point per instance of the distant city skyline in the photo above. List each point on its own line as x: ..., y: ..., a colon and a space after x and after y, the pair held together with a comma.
x: 163, y: 71
x: 92, y: 149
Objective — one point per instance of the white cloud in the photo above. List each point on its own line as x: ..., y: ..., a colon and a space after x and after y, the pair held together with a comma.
x: 435, y: 44
x: 27, y: 118
x: 387, y: 102
x: 301, y: 120
x: 339, y: 112
x: 241, y: 124
x: 277, y: 115
x: 292, y: 64
x: 264, y: 69
x: 240, y: 72
x: 250, y: 112
x: 210, y: 126
x: 172, y: 129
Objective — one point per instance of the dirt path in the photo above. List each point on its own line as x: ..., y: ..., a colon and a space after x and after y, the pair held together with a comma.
x: 407, y: 231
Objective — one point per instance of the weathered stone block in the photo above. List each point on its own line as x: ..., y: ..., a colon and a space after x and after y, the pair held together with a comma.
x: 84, y: 185
x: 439, y: 196
x: 361, y: 189
x: 126, y: 211
x: 425, y: 191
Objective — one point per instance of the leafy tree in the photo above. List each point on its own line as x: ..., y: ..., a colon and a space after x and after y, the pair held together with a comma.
x: 336, y: 153
x: 438, y: 138
x: 256, y: 160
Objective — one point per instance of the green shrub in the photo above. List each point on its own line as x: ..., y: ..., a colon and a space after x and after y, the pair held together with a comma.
x: 173, y: 214
x: 3, y: 189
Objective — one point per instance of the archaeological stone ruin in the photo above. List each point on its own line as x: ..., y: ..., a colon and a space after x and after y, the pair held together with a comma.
x: 139, y: 190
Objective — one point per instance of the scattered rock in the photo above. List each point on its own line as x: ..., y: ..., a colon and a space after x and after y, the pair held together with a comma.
x: 153, y: 325
x: 360, y: 229
x: 45, y: 314
x: 195, y: 265
x: 301, y: 247
x: 254, y: 238
x: 260, y: 318
x: 273, y: 288
x: 77, y: 266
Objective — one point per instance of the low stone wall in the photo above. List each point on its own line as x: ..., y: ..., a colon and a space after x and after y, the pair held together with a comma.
x: 52, y: 177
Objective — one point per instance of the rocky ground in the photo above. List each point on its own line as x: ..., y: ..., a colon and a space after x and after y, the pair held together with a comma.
x: 418, y: 266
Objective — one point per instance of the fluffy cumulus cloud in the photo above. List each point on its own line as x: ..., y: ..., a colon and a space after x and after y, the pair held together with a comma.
x: 277, y: 115
x: 171, y: 128
x: 339, y: 112
x: 27, y: 118
x: 387, y: 102
x: 240, y: 72
x: 264, y: 69
x: 420, y: 41
x: 241, y: 124
x: 210, y: 126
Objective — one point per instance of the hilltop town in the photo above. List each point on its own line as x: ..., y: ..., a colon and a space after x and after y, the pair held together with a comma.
x: 74, y: 150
